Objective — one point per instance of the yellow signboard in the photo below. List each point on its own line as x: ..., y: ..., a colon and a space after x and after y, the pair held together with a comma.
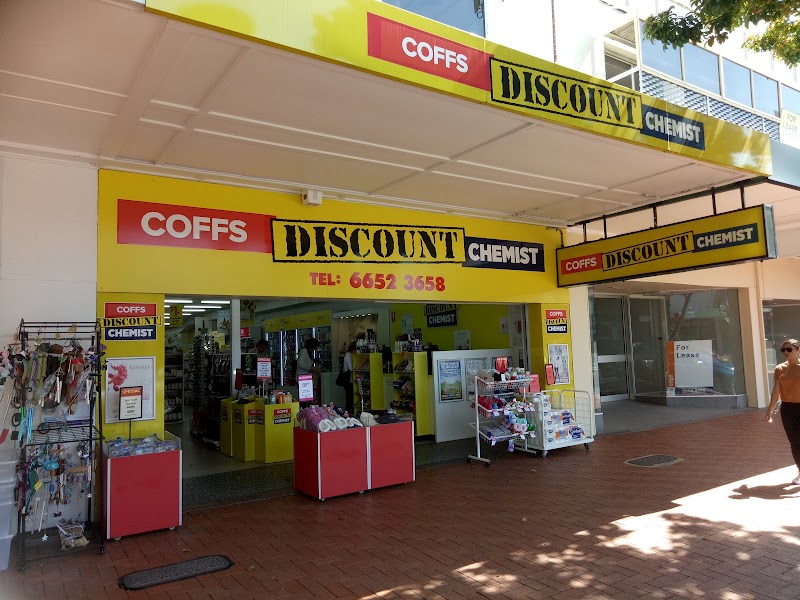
x: 385, y: 40
x: 176, y: 315
x: 735, y: 236
x: 281, y: 248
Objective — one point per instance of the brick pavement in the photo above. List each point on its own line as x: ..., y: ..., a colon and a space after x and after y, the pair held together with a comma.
x: 723, y: 523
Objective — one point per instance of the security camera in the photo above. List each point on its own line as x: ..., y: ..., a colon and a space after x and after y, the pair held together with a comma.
x: 312, y: 197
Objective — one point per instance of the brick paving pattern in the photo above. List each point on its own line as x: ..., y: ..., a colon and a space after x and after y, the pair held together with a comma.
x: 722, y: 523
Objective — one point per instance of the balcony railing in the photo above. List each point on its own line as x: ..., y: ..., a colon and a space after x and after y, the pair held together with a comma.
x: 659, y: 87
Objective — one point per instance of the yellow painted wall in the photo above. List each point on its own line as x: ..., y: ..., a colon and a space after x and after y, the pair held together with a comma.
x: 482, y: 320
x: 540, y: 340
x: 117, y: 349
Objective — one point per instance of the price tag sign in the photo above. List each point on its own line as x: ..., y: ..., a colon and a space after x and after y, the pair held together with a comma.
x: 550, y: 375
x: 130, y: 403
x: 305, y: 383
x: 264, y: 369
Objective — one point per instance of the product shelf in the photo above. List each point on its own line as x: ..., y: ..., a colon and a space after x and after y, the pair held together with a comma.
x: 494, y: 425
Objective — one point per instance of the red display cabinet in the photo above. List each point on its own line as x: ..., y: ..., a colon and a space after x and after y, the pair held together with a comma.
x: 330, y: 464
x: 143, y: 493
x: 391, y: 454
x: 353, y: 460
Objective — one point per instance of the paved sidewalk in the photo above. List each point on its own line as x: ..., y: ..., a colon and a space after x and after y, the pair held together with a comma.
x: 722, y: 523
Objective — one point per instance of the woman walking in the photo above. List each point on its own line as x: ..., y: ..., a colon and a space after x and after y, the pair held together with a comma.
x: 787, y: 389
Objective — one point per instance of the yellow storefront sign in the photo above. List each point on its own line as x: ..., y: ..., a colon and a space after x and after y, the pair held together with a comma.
x: 382, y: 39
x: 281, y: 248
x: 535, y: 89
x: 318, y: 241
x: 735, y: 236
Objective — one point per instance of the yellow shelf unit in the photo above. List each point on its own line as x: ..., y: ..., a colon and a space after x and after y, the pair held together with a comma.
x: 368, y: 382
x: 411, y: 389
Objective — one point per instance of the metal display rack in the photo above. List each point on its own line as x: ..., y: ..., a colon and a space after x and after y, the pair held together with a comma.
x: 173, y: 387
x: 563, y: 418
x: 58, y: 459
x: 503, y: 399
x: 555, y: 418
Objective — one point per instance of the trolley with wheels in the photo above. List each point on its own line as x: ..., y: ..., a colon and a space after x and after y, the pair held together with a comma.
x: 563, y: 418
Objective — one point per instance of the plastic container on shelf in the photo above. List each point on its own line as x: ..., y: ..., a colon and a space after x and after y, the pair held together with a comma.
x: 5, y: 550
x: 8, y: 517
x: 8, y: 466
x: 7, y: 491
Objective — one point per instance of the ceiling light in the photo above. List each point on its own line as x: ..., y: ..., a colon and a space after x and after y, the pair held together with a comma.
x: 177, y: 301
x: 208, y: 306
x: 215, y: 301
x: 193, y: 310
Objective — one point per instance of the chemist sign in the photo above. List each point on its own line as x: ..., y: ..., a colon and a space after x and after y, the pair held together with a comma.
x: 725, y: 238
x: 556, y: 321
x: 129, y: 321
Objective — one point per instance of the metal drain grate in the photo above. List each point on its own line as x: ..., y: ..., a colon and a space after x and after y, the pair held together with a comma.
x: 174, y: 572
x: 653, y: 460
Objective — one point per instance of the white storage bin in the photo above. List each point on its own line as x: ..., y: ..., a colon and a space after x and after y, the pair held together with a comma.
x: 7, y: 491
x: 8, y: 518
x: 8, y: 466
x: 5, y: 550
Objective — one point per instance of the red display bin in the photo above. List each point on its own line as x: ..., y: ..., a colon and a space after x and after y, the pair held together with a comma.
x: 143, y: 493
x: 330, y: 464
x: 391, y: 454
x: 353, y: 460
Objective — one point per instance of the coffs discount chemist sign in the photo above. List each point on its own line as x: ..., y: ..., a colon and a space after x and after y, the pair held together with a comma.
x: 385, y: 40
x: 160, y: 235
x: 726, y: 238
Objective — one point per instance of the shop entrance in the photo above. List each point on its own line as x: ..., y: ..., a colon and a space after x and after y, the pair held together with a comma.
x: 630, y: 334
x: 215, y: 347
x: 679, y: 348
x: 612, y: 348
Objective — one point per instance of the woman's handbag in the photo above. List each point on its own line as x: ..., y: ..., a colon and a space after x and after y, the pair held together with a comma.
x: 343, y: 379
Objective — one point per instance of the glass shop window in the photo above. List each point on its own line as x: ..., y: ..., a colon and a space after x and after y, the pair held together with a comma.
x: 667, y: 60
x: 701, y: 68
x: 737, y: 82
x: 790, y: 99
x: 462, y: 14
x: 765, y: 95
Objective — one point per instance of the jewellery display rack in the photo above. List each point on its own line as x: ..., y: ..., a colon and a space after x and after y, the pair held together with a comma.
x: 188, y: 380
x: 58, y: 462
x: 508, y: 400
x: 173, y: 387
x: 324, y: 354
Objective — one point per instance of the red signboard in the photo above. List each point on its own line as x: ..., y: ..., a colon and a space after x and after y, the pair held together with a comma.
x: 244, y: 332
x: 150, y: 224
x: 422, y: 51
x: 130, y: 309
x: 589, y: 262
x: 555, y: 314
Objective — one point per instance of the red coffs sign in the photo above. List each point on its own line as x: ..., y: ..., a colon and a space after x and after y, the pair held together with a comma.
x: 416, y: 49
x: 130, y: 309
x: 555, y: 314
x: 150, y: 224
x: 582, y: 263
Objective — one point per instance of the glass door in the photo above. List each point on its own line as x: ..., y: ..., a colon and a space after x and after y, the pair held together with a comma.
x: 648, y: 339
x: 612, y: 356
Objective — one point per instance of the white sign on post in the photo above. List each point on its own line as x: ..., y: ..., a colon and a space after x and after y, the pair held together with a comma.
x: 305, y: 384
x: 264, y: 369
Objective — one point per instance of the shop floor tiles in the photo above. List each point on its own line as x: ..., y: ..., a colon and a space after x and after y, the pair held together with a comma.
x: 722, y: 523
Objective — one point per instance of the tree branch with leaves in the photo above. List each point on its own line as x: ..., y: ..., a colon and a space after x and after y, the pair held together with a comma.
x: 711, y: 21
